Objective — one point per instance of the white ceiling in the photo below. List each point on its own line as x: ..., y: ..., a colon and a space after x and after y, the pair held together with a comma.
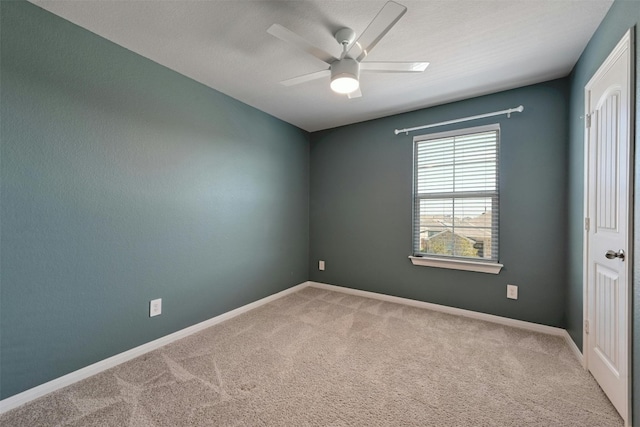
x: 475, y: 47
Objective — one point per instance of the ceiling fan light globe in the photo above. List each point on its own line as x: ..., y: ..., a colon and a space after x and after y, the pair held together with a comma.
x: 344, y: 84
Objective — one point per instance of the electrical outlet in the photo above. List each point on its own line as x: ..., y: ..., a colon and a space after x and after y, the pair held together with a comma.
x: 512, y: 292
x: 155, y: 307
x: 321, y: 265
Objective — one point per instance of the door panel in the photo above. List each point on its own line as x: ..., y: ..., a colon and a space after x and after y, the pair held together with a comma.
x: 607, y: 328
x: 607, y: 121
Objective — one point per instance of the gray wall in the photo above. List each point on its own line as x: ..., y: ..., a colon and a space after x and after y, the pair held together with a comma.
x: 123, y: 181
x: 361, y: 181
x: 622, y: 15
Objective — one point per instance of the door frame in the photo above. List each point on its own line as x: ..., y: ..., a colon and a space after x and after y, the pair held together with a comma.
x: 625, y: 43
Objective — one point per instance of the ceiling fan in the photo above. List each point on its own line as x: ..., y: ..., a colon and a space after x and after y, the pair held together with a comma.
x: 345, y: 70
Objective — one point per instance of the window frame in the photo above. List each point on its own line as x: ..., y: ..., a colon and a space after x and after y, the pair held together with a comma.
x: 492, y: 265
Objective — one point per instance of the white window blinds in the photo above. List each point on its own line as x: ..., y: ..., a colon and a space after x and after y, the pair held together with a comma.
x: 456, y: 197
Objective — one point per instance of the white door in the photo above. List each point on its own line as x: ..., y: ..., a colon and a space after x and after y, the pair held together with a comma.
x: 607, y: 273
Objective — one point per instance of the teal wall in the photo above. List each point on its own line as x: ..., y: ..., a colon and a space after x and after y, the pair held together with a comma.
x: 361, y: 183
x: 123, y: 181
x: 623, y: 15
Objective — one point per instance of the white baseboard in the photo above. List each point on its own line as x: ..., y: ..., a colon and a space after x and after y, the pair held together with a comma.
x: 70, y: 378
x: 535, y: 327
x: 574, y: 348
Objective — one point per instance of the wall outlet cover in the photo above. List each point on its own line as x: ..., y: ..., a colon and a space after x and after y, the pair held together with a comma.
x: 512, y: 292
x: 155, y: 307
x: 321, y: 265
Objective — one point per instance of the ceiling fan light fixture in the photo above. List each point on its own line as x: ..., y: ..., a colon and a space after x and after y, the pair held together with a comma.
x: 344, y: 76
x: 344, y: 84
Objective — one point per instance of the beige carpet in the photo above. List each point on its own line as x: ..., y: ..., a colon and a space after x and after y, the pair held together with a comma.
x: 321, y: 358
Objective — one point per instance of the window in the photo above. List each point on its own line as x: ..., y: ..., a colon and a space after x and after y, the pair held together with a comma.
x: 456, y: 199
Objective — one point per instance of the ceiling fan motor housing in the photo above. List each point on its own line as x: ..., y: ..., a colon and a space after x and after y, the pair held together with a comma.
x: 347, y: 67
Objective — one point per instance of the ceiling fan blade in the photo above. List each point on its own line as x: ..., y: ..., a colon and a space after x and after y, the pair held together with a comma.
x: 381, y: 24
x: 290, y: 37
x: 355, y: 94
x: 306, y: 78
x: 393, y: 67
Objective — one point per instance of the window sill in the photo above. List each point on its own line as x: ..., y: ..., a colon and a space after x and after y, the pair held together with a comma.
x: 457, y: 264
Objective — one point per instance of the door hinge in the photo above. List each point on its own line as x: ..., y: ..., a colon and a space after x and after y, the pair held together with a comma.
x: 586, y: 327
x: 587, y: 121
x: 587, y: 224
